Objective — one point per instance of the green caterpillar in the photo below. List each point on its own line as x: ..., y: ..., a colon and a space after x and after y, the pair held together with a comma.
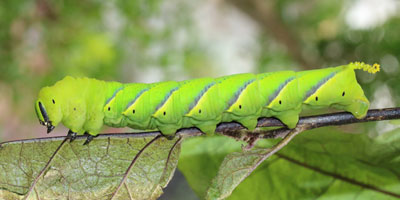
x: 83, y: 105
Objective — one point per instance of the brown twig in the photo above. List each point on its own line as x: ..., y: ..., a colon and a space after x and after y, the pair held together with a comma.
x: 233, y: 129
x: 334, y: 119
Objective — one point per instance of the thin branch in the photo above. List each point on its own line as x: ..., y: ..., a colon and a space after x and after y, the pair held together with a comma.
x: 237, y: 131
x: 332, y: 119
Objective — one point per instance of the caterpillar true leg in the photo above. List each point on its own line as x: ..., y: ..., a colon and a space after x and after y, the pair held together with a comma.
x: 50, y: 127
x: 89, y: 138
x: 71, y: 135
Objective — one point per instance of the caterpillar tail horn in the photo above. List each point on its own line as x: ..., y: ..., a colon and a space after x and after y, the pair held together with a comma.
x: 366, y: 67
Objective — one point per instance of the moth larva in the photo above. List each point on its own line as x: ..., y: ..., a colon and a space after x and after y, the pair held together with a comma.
x: 84, y: 105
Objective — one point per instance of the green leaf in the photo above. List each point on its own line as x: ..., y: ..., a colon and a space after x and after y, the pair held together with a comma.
x: 235, y: 167
x: 238, y: 165
x: 201, y: 157
x: 318, y: 164
x: 324, y: 164
x: 121, y: 168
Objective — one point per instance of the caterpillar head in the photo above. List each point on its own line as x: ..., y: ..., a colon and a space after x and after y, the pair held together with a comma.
x: 48, y: 108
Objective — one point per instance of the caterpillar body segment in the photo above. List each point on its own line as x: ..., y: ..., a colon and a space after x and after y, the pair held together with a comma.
x: 118, y: 103
x: 241, y: 101
x: 203, y: 111
x: 338, y: 88
x: 84, y: 105
x: 279, y: 90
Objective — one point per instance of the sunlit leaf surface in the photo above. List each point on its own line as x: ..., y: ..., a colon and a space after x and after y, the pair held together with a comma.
x: 110, y: 167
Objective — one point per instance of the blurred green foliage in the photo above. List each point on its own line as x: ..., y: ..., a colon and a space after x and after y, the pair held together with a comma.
x: 42, y: 41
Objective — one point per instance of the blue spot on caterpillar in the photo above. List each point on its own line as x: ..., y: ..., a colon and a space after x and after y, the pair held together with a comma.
x: 166, y: 98
x: 238, y: 92
x: 278, y: 90
x: 318, y: 85
x: 197, y: 99
x: 115, y: 93
x: 136, y: 97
